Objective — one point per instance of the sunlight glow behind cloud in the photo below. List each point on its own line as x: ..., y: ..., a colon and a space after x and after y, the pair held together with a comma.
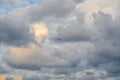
x: 40, y: 31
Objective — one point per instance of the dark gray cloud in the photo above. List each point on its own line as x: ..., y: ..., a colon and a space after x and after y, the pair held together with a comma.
x: 78, y: 1
x: 2, y: 70
x: 74, y: 31
x: 107, y: 26
x: 106, y: 54
x: 53, y: 8
x: 88, y: 74
x: 24, y: 66
x: 14, y: 32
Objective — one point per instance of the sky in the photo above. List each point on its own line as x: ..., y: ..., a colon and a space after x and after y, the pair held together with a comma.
x: 60, y: 39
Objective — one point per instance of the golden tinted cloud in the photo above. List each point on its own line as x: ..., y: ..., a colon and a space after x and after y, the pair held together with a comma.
x: 40, y: 31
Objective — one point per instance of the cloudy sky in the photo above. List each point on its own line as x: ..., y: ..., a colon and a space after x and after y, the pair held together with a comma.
x: 60, y: 39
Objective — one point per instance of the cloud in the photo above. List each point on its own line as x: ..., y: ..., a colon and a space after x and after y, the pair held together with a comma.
x: 79, y: 33
x: 106, y: 54
x: 105, y: 41
x: 107, y: 25
x: 40, y: 31
x: 12, y: 1
x: 78, y: 1
x: 33, y: 57
x: 97, y: 5
x: 14, y: 32
x: 79, y: 29
x: 9, y: 4
x: 49, y: 8
x: 85, y: 42
x: 88, y: 74
x: 87, y: 38
x: 2, y: 70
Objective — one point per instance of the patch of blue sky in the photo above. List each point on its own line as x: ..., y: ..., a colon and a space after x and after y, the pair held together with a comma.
x: 36, y: 1
x: 32, y: 1
x: 3, y: 12
x: 6, y: 8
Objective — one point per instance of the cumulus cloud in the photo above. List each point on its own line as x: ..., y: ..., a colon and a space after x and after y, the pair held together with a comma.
x: 32, y: 58
x: 97, y: 5
x: 14, y: 32
x: 79, y: 33
x: 107, y: 49
x: 105, y: 39
x: 88, y: 38
x: 36, y: 57
x: 49, y: 8
x: 2, y: 70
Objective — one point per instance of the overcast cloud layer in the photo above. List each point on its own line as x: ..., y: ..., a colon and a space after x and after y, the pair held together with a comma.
x: 61, y: 39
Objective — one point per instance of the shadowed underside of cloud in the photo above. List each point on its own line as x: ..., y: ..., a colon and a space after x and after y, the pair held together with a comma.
x: 14, y: 32
x: 2, y: 70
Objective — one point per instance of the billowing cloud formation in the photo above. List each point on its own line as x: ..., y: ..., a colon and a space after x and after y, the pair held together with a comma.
x: 79, y: 33
x: 49, y: 8
x: 32, y: 58
x: 84, y: 36
x: 107, y: 49
x: 14, y: 32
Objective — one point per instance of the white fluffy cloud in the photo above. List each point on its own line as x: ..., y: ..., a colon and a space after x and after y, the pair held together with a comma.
x: 91, y: 6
